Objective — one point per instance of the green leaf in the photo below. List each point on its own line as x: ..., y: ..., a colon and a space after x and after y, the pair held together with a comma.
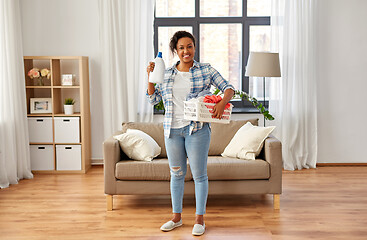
x: 160, y: 106
x: 216, y: 91
x: 255, y: 103
x: 69, y: 101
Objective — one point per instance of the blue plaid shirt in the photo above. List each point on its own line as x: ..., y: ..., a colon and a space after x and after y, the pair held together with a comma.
x: 203, y: 76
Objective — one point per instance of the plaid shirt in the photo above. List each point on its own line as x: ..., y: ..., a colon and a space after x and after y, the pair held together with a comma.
x: 203, y: 76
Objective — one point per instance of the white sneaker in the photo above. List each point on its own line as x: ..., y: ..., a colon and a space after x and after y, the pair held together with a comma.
x: 170, y: 225
x: 198, y: 229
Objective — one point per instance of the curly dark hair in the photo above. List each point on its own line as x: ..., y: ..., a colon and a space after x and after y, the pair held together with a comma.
x: 177, y: 36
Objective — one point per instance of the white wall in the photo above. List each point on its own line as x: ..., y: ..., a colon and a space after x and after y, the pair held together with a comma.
x: 70, y: 27
x: 342, y: 84
x: 67, y: 28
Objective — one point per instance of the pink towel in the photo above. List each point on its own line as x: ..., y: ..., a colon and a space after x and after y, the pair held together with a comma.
x: 215, y: 99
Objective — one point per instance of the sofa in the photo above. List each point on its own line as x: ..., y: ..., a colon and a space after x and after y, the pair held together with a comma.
x: 228, y: 176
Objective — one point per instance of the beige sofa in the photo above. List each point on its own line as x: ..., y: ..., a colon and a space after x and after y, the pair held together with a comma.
x: 123, y: 176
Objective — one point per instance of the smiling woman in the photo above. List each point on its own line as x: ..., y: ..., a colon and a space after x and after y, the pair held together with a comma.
x: 184, y: 138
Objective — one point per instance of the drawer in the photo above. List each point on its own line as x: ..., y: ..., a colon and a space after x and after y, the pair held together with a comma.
x: 67, y: 130
x: 40, y: 129
x: 68, y: 157
x: 42, y: 157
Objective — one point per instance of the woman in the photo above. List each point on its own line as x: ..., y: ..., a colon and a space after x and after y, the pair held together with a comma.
x: 187, y: 139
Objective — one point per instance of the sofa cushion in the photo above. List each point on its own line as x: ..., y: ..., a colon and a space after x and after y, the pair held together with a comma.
x: 247, y: 142
x: 157, y: 170
x: 222, y: 134
x: 138, y: 145
x: 155, y: 130
x: 219, y: 168
x: 225, y: 168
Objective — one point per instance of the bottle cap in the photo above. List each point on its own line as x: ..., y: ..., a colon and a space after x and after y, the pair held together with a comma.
x: 159, y: 54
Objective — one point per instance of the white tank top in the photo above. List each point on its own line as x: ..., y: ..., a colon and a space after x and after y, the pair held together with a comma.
x: 180, y: 90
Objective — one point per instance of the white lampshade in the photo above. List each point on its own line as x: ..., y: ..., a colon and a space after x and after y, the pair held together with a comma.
x: 263, y: 64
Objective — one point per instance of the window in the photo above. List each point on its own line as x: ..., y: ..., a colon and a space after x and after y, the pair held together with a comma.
x: 226, y: 31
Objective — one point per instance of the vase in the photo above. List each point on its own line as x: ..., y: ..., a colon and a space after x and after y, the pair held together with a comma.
x: 40, y: 82
x: 69, y: 109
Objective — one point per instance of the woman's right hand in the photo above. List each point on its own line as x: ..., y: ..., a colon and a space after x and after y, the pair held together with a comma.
x: 151, y: 87
x: 150, y: 67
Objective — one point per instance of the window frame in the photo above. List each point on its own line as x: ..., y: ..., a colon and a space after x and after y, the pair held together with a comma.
x: 246, y: 21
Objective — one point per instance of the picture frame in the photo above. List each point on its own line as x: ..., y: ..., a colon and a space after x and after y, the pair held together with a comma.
x: 41, y: 105
x: 67, y: 79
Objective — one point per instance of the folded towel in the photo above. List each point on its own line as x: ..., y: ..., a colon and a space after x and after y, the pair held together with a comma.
x: 215, y: 99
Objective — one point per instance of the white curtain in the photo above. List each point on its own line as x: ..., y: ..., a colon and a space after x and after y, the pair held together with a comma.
x: 14, y: 141
x: 126, y: 40
x: 293, y: 96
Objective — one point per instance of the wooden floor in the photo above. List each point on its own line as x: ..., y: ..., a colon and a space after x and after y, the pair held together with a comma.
x: 323, y: 203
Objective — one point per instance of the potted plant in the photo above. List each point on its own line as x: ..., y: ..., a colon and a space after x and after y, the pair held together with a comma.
x: 69, y: 106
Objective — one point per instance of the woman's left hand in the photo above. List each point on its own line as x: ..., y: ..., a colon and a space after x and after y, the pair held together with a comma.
x: 218, y: 109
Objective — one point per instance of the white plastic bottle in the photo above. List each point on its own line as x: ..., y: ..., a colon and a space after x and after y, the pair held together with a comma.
x: 158, y: 73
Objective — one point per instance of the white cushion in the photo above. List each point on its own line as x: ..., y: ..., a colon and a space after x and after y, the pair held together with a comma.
x: 138, y: 145
x: 247, y: 142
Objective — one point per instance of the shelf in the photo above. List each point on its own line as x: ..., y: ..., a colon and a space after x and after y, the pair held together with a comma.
x: 47, y: 87
x: 56, y: 57
x: 39, y: 115
x: 33, y: 143
x: 68, y: 143
x: 55, y: 115
x: 69, y: 115
x: 66, y: 86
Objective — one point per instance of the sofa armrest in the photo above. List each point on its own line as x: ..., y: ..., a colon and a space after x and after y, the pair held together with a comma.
x: 111, y: 155
x: 273, y: 155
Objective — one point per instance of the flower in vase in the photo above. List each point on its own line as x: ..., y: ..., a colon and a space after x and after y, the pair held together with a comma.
x: 35, y: 73
x: 46, y: 73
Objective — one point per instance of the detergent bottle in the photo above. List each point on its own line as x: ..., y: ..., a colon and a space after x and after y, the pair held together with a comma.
x: 158, y: 73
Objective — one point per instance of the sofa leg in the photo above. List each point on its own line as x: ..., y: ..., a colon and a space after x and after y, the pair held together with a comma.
x: 109, y: 202
x: 276, y: 201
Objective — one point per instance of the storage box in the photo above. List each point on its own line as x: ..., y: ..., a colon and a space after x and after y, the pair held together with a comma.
x: 68, y: 157
x: 42, y: 157
x: 67, y: 130
x: 40, y: 129
x: 202, y: 112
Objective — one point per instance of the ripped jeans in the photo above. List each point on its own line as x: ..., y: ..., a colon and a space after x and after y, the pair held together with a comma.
x: 179, y: 146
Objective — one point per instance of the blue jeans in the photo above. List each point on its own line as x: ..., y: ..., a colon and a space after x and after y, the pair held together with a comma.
x: 179, y: 146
